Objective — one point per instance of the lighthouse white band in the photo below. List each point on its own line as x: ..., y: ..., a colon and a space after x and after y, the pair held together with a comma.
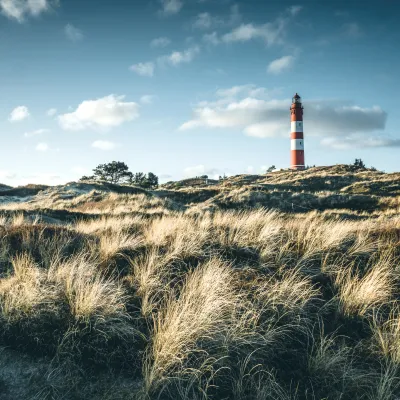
x: 297, y: 144
x: 297, y: 126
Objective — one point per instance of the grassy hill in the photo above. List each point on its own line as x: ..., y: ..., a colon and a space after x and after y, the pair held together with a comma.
x: 279, y: 286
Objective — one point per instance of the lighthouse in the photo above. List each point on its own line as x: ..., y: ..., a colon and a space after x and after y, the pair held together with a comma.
x: 297, y: 136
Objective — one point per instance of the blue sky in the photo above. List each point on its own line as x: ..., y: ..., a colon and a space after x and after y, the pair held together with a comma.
x: 189, y: 87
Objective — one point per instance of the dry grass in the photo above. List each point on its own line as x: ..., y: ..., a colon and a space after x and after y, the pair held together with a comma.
x: 292, y: 292
x: 387, y: 336
x: 362, y: 294
x: 204, y: 310
x: 113, y: 243
x: 23, y: 292
x: 198, y: 302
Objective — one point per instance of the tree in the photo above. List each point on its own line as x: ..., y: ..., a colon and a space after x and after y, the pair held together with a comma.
x: 87, y: 178
x: 359, y: 163
x: 271, y: 168
x: 113, y: 172
x: 139, y: 179
x: 151, y: 180
x: 147, y: 181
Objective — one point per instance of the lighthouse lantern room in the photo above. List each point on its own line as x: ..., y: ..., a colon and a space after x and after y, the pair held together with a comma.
x: 297, y: 135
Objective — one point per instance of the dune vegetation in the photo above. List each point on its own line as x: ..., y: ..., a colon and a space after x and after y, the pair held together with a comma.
x: 283, y: 286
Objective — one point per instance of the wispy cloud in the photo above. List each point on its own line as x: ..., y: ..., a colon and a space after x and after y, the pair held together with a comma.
x: 51, y: 112
x: 73, y: 33
x: 294, y: 10
x: 144, y: 69
x: 107, y: 112
x: 104, y: 145
x: 38, y: 132
x: 170, y: 7
x: 263, y: 118
x: 248, y: 90
x: 160, y: 42
x: 147, y: 99
x: 271, y: 32
x: 43, y: 147
x: 360, y: 141
x: 205, y: 20
x: 20, y: 9
x: 281, y: 64
x: 19, y: 114
x: 212, y: 38
x: 180, y: 57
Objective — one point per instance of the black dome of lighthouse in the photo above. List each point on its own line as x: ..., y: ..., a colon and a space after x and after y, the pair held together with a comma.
x: 296, y: 98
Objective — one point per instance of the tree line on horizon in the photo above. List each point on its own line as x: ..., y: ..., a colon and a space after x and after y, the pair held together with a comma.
x: 117, y: 172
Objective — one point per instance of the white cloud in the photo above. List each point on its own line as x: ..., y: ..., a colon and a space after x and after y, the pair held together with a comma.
x: 19, y: 114
x: 74, y: 34
x: 360, y: 141
x: 147, y: 99
x: 160, y: 42
x: 42, y: 147
x: 20, y: 9
x: 180, y: 57
x: 107, y: 112
x: 212, y: 38
x: 294, y: 10
x: 36, y: 133
x: 249, y: 90
x: 206, y: 21
x: 281, y: 64
x: 203, y: 21
x: 265, y: 129
x: 263, y: 118
x: 143, y: 69
x: 271, y: 33
x: 171, y: 6
x: 104, y: 145
x: 36, y: 7
x: 52, y: 112
x: 237, y: 114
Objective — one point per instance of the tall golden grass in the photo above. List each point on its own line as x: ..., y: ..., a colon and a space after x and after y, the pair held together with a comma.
x: 168, y: 303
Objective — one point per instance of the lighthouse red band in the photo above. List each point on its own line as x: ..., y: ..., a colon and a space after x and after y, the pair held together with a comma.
x: 297, y: 135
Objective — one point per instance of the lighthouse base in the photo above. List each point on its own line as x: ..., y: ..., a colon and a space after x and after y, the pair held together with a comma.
x: 298, y: 167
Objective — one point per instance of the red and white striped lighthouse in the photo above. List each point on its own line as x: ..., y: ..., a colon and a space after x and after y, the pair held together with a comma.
x: 297, y: 136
